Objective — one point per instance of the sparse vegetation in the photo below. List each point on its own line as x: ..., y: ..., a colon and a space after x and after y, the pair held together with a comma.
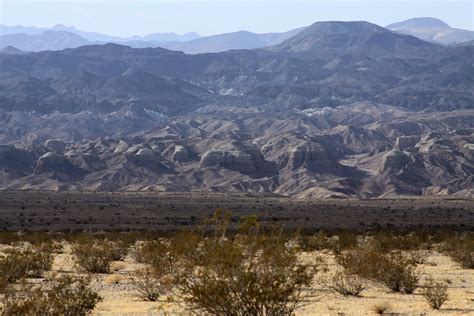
x: 151, y: 283
x: 248, y: 268
x: 248, y: 274
x: 381, y: 308
x: 30, y: 262
x: 461, y: 249
x: 348, y: 284
x: 64, y: 295
x: 435, y: 293
x: 394, y: 270
x: 94, y: 256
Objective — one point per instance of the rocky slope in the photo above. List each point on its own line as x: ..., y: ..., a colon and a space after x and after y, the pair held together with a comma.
x: 358, y: 150
x: 342, y: 109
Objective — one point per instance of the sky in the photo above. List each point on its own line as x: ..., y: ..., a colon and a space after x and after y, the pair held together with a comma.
x: 207, y: 17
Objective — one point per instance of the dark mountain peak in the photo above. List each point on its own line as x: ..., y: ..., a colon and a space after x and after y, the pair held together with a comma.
x: 418, y: 22
x: 326, y: 40
x: 112, y: 51
x: 11, y: 50
x: 340, y: 27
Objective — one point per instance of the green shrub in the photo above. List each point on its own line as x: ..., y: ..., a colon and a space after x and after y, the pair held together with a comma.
x: 62, y: 296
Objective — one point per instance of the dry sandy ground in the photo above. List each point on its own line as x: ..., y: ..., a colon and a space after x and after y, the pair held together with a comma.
x: 119, y: 296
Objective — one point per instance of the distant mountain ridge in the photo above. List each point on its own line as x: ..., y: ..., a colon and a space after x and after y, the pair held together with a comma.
x: 340, y: 109
x: 97, y: 37
x: 427, y: 29
x: 432, y: 30
x: 228, y: 41
x: 55, y: 38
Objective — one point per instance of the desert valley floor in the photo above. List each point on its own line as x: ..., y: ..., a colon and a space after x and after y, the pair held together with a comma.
x: 51, y: 211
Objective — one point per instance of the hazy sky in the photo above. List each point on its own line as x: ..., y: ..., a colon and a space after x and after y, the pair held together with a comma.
x: 130, y: 17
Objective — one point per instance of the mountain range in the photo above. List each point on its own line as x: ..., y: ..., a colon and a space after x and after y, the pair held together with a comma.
x: 338, y: 109
x: 60, y: 37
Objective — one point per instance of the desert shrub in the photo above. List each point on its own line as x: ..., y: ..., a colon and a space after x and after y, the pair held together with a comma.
x: 435, y: 293
x: 417, y: 256
x: 168, y: 251
x: 94, y: 256
x: 387, y: 242
x: 249, y: 274
x: 461, y: 250
x: 151, y: 283
x: 394, y: 270
x: 347, y: 284
x: 381, y: 308
x: 345, y: 240
x: 319, y: 241
x: 61, y: 296
x: 34, y: 238
x: 119, y: 249
x: 30, y: 262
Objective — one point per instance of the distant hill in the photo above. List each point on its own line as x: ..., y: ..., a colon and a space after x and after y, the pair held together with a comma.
x: 47, y: 40
x: 97, y: 37
x: 325, y: 39
x: 12, y: 50
x: 433, y: 30
x: 57, y: 38
x: 228, y: 41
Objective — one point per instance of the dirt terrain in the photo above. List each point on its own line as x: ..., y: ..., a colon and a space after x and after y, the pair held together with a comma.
x: 119, y: 297
x: 53, y: 211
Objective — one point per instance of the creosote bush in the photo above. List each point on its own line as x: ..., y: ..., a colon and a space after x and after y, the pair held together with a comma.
x: 247, y: 274
x: 94, y: 256
x: 347, y: 284
x: 435, y: 293
x: 461, y: 250
x: 151, y: 283
x: 387, y: 242
x: 394, y: 269
x: 28, y: 263
x: 60, y: 296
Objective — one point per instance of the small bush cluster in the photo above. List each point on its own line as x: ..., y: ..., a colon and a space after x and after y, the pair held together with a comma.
x: 247, y: 274
x: 151, y: 283
x: 386, y: 242
x: 394, y: 270
x: 321, y: 241
x: 28, y: 263
x: 435, y: 293
x: 61, y: 296
x: 348, y: 284
x: 96, y: 256
x: 461, y: 249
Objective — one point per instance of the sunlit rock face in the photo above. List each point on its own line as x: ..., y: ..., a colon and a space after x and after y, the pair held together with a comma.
x: 394, y: 160
x: 406, y: 142
x: 56, y: 145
